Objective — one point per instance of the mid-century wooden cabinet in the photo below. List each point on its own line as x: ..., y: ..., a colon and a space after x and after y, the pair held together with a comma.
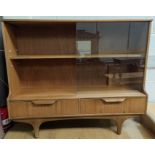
x: 76, y: 69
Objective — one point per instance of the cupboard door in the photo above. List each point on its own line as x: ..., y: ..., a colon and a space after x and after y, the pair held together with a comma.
x: 138, y: 36
x: 113, y: 36
x: 42, y: 108
x: 110, y: 106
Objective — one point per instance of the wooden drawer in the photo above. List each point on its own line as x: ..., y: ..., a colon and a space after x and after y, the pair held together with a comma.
x: 113, y: 106
x: 42, y: 108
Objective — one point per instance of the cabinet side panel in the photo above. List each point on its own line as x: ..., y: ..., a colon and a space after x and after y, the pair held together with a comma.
x: 9, y: 48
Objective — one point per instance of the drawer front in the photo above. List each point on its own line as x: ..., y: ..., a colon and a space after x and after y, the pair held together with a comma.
x: 40, y: 109
x: 112, y: 106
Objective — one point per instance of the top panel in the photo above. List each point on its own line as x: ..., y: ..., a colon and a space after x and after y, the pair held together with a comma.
x: 26, y: 21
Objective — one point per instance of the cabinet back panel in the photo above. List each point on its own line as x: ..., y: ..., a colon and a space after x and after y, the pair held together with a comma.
x: 51, y: 39
x: 46, y: 74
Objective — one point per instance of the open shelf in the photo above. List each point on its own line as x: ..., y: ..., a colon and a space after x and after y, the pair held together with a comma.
x: 77, y: 78
x: 32, y: 93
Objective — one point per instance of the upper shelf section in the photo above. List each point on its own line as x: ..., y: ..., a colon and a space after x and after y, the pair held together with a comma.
x: 75, y: 39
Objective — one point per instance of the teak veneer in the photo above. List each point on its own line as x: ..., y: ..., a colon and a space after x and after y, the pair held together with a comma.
x: 76, y: 69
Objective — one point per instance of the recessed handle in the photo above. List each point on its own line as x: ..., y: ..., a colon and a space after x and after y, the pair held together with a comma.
x: 44, y: 102
x: 113, y: 99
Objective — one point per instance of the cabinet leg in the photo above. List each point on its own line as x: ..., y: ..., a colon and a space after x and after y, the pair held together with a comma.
x: 36, y: 130
x: 119, y: 123
x: 36, y: 126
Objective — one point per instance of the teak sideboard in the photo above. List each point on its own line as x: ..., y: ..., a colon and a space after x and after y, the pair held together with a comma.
x: 76, y: 69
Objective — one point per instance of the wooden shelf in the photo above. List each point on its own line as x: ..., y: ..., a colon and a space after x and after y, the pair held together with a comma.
x: 31, y: 93
x: 42, y: 56
x: 98, y: 92
x: 111, y: 55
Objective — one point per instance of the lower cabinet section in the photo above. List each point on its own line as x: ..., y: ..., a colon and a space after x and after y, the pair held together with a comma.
x: 76, y: 107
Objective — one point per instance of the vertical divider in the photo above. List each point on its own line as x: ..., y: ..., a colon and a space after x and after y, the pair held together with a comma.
x: 128, y: 40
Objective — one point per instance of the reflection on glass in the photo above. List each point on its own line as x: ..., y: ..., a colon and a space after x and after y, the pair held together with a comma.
x: 111, y: 37
x: 138, y: 36
x: 84, y: 47
x: 87, y: 39
x: 126, y: 71
x: 104, y: 73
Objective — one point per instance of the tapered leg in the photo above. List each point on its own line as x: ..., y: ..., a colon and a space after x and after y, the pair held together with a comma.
x: 119, y: 122
x: 36, y: 125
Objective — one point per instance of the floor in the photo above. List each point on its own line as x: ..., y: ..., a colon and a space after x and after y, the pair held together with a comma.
x: 79, y: 129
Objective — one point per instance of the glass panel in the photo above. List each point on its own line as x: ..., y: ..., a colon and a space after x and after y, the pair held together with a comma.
x: 126, y: 72
x: 138, y: 36
x: 91, y: 72
x: 123, y: 65
x: 113, y: 36
x: 109, y: 73
x: 86, y: 38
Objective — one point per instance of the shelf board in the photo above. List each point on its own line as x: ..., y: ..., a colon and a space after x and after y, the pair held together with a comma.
x: 42, y: 56
x: 35, y: 94
x: 31, y: 93
x: 100, y: 92
x: 111, y: 55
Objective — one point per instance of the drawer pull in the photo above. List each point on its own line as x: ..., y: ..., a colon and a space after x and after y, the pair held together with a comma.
x: 112, y: 100
x: 44, y: 102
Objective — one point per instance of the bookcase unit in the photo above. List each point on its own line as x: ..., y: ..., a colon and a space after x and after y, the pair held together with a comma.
x: 76, y: 69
